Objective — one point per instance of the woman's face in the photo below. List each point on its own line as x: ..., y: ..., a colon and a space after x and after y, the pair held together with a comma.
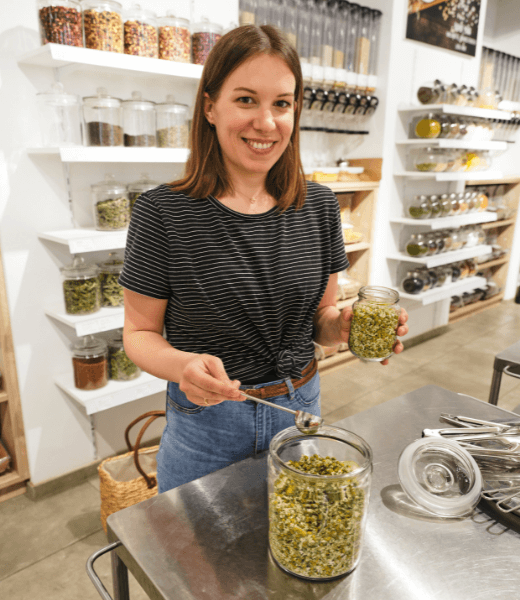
x: 254, y: 114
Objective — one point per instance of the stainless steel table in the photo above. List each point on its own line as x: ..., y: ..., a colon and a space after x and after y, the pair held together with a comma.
x: 207, y: 540
x: 508, y: 362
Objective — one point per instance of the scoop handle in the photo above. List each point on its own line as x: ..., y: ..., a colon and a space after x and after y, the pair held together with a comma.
x: 293, y: 412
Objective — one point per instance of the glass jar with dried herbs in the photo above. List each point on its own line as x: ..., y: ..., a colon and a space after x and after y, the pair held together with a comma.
x: 136, y: 188
x: 318, y: 494
x: 416, y: 245
x: 111, y: 290
x: 103, y: 119
x: 111, y: 204
x: 120, y: 367
x: 419, y: 207
x: 374, y: 323
x: 81, y: 287
x: 90, y: 363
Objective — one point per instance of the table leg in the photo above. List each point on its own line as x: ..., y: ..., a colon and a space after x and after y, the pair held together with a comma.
x: 120, y: 578
x: 495, y: 386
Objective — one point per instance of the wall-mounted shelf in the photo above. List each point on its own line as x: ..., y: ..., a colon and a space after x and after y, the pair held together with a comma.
x: 356, y: 247
x: 105, y: 319
x: 116, y: 154
x: 451, y: 109
x: 352, y: 186
x: 475, y: 308
x: 446, y: 291
x: 462, y: 144
x: 445, y: 258
x: 484, y: 176
x: 448, y: 222
x: 87, y: 239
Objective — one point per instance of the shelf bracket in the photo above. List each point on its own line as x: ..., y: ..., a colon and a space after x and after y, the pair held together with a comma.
x: 95, y: 453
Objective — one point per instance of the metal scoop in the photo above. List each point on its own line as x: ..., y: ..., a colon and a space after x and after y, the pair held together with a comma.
x: 306, y: 422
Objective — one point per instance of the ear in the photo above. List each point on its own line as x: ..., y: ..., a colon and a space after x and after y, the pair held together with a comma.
x: 208, y: 108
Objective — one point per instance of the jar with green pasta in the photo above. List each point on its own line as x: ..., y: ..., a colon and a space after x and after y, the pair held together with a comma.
x: 81, y: 288
x: 111, y: 204
x: 111, y: 290
x: 120, y: 367
x: 318, y: 493
x: 374, y: 323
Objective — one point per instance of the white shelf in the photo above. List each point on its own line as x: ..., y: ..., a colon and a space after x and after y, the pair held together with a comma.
x: 105, y: 319
x: 117, y: 154
x: 446, y: 291
x: 463, y: 144
x: 467, y: 111
x: 465, y: 176
x: 448, y: 222
x: 87, y: 239
x: 356, y: 247
x: 58, y: 56
x: 444, y: 258
x: 115, y: 393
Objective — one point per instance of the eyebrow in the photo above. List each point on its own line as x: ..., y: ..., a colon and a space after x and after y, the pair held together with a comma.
x: 244, y: 89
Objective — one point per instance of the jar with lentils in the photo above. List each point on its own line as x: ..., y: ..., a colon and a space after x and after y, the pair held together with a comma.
x: 374, y: 323
x: 140, y: 28
x: 60, y: 22
x: 205, y: 36
x: 172, y: 124
x: 318, y: 493
x: 103, y: 120
x: 174, y: 39
x: 103, y: 25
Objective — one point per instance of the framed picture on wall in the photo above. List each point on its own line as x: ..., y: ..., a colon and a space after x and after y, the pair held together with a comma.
x: 450, y: 24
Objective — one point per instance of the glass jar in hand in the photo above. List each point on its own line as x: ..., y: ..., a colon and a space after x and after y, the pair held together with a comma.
x: 374, y: 323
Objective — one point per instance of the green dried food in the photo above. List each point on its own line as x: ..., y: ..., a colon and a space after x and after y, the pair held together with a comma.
x: 121, y: 368
x: 315, y: 527
x: 113, y: 213
x: 133, y: 198
x: 373, y: 330
x: 416, y: 249
x: 82, y: 296
x: 418, y: 212
x: 111, y: 290
x: 426, y: 166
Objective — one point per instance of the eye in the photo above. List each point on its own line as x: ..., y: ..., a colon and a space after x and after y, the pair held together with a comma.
x: 245, y: 100
x: 283, y: 104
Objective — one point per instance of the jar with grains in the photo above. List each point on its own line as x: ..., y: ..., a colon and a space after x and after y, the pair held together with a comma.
x: 430, y: 159
x: 374, y: 323
x: 103, y: 25
x: 174, y: 39
x: 439, y: 238
x: 416, y: 245
x: 136, y: 188
x: 111, y: 290
x: 318, y: 494
x: 426, y: 126
x: 435, y: 204
x: 457, y: 240
x: 140, y: 31
x: 246, y: 14
x: 90, y: 363
x: 172, y: 124
x: 413, y: 283
x: 60, y: 117
x: 448, y: 240
x: 103, y: 118
x: 454, y: 204
x: 138, y: 121
x: 431, y: 243
x: 423, y: 272
x: 81, y: 287
x: 444, y: 202
x: 434, y: 278
x: 205, y: 36
x: 111, y: 204
x: 60, y: 22
x: 120, y: 367
x: 419, y: 207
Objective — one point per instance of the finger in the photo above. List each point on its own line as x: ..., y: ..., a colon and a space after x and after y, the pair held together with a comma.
x: 384, y: 362
x: 216, y: 379
x: 346, y: 315
x: 402, y: 330
x: 403, y: 317
x: 398, y: 348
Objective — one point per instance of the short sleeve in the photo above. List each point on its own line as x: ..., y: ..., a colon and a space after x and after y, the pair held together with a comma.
x: 339, y: 260
x: 145, y: 268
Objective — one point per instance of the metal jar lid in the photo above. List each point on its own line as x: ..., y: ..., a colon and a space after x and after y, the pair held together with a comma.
x: 79, y: 269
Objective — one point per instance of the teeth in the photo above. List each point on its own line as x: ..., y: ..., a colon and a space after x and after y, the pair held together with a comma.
x: 259, y: 146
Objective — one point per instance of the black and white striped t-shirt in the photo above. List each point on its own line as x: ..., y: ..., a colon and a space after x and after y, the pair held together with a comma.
x: 241, y: 287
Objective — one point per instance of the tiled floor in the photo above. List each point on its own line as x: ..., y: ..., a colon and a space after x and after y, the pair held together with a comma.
x: 44, y: 545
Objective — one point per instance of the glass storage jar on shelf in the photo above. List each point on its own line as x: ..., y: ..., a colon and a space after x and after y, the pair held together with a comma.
x: 103, y: 25
x: 447, y: 239
x: 435, y: 205
x: 90, y: 363
x: 120, y: 367
x: 60, y: 22
x: 414, y: 282
x: 455, y: 272
x: 444, y: 202
x: 425, y: 276
x: 60, y: 117
x: 81, y: 287
x: 140, y: 31
x: 246, y: 14
x: 419, y: 207
x: 472, y: 266
x: 439, y: 240
x: 456, y: 240
x: 431, y: 243
x: 425, y: 126
x: 139, y: 121
x: 205, y: 36
x: 463, y: 203
x: 172, y: 124
x: 454, y: 204
x: 416, y: 245
x: 455, y: 303
x: 464, y: 269
x: 111, y: 204
x: 174, y: 39
x: 429, y: 159
x: 318, y: 493
x: 429, y: 93
x: 111, y: 290
x: 103, y: 119
x: 136, y: 188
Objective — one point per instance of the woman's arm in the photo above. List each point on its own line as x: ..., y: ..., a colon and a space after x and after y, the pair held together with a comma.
x: 200, y: 376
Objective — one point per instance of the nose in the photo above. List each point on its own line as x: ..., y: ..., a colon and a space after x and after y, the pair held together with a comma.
x: 264, y: 121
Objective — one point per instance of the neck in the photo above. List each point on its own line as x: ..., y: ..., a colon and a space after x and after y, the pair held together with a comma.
x: 249, y: 185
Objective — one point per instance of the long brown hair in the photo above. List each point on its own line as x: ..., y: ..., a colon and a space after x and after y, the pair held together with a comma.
x: 205, y: 172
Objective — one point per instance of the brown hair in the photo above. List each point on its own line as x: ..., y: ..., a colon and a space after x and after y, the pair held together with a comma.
x: 205, y: 172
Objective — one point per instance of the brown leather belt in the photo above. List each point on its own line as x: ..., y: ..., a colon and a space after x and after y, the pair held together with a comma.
x: 281, y: 389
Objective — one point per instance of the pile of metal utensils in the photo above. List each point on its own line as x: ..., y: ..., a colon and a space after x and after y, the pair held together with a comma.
x: 495, y: 446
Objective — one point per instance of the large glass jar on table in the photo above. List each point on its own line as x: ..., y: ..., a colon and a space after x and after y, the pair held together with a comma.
x: 172, y: 124
x: 139, y: 121
x: 103, y: 119
x: 60, y: 117
x: 103, y: 25
x: 318, y: 494
x: 111, y: 204
x: 81, y: 287
x: 140, y: 30
x: 60, y: 22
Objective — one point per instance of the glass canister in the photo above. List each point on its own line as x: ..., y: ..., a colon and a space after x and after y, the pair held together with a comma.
x: 419, y: 207
x: 430, y: 159
x: 60, y: 22
x: 205, y: 36
x: 81, y: 287
x: 172, y: 124
x: 454, y: 204
x: 374, y: 323
x: 103, y: 119
x: 174, y: 39
x: 136, y: 188
x: 246, y: 12
x: 103, y: 25
x: 60, y: 117
x: 111, y: 204
x: 429, y: 93
x: 435, y: 204
x: 120, y: 367
x: 439, y: 239
x: 416, y: 245
x: 90, y: 363
x: 318, y: 494
x: 140, y: 31
x: 111, y: 290
x: 413, y: 283
x: 139, y: 121
x: 431, y: 243
x: 426, y: 126
x: 445, y: 205
x: 457, y: 240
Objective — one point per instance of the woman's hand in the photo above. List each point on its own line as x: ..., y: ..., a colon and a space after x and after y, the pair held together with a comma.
x: 204, y: 381
x: 345, y: 319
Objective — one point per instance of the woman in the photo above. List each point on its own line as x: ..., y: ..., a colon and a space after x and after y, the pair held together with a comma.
x: 238, y: 261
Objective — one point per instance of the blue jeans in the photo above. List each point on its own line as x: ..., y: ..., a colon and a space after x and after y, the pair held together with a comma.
x: 198, y: 440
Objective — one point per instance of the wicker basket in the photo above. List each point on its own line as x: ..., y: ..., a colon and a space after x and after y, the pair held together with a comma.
x: 129, y: 478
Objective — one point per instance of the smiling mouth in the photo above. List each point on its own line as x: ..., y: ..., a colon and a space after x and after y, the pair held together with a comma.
x: 259, y: 145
